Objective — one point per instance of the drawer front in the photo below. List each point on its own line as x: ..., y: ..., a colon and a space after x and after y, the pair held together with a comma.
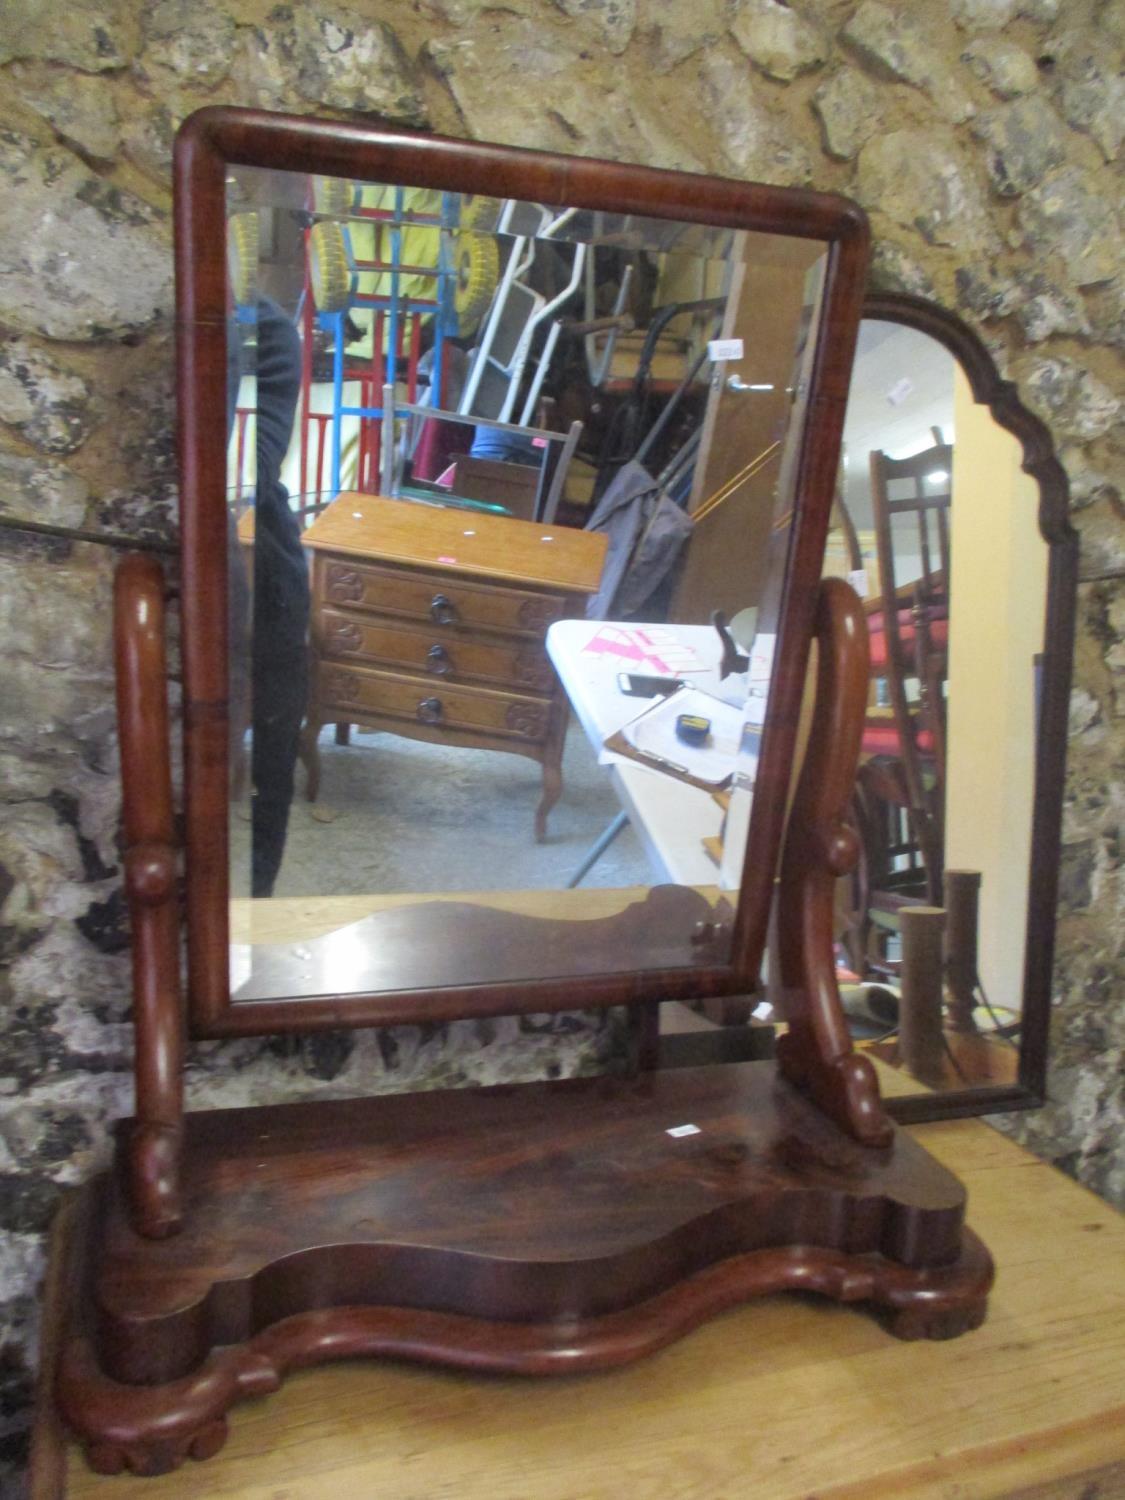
x: 445, y: 655
x: 439, y: 600
x: 418, y: 700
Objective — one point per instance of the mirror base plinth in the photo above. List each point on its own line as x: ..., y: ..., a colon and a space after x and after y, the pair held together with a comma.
x: 539, y: 1229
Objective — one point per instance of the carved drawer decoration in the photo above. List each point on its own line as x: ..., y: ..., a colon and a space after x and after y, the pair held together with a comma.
x: 339, y: 686
x: 527, y: 719
x: 537, y: 614
x: 346, y: 637
x: 533, y: 670
x: 344, y: 584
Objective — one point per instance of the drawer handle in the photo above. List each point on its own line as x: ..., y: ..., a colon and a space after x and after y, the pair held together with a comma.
x: 438, y: 661
x: 443, y: 611
x: 429, y: 710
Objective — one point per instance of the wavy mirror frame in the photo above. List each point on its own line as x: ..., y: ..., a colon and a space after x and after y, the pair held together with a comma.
x: 1001, y: 397
x: 216, y: 138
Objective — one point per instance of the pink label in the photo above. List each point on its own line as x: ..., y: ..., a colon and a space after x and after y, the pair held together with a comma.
x: 447, y: 559
x: 657, y: 649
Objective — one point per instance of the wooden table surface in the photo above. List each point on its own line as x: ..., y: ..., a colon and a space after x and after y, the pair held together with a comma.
x: 780, y: 1399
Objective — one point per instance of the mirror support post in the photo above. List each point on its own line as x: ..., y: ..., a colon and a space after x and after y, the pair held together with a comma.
x: 156, y: 1139
x: 816, y: 1053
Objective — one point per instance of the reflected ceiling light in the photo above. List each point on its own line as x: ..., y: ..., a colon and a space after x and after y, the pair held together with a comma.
x: 939, y: 476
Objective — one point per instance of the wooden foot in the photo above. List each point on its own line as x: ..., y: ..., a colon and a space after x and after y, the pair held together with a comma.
x: 147, y: 1456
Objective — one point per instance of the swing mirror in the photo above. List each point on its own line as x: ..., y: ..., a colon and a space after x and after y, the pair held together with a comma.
x: 503, y: 431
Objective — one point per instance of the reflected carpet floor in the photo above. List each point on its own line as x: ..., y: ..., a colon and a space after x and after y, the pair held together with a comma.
x: 396, y: 814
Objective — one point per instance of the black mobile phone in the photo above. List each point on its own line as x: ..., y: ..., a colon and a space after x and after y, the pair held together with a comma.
x: 636, y: 686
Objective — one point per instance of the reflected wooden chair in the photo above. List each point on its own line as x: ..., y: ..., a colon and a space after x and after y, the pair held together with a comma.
x: 898, y: 806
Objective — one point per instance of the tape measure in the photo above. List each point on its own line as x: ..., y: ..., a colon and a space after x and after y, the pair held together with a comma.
x: 693, y: 729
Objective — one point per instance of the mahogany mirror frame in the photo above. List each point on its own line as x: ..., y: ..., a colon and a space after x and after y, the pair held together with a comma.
x: 217, y: 138
x: 1001, y: 397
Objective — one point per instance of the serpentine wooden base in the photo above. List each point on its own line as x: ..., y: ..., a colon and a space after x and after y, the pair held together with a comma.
x: 539, y: 1229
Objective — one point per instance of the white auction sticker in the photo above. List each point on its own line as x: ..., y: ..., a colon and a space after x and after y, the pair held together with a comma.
x: 761, y: 657
x: 725, y: 349
x: 900, y: 390
x: 679, y: 1130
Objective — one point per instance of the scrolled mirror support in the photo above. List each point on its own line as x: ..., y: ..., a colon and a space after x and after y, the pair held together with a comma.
x: 151, y: 886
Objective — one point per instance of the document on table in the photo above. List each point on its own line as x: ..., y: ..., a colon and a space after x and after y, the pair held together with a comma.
x: 651, y: 738
x: 645, y: 648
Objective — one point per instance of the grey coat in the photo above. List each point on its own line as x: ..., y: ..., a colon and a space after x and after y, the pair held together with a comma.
x: 647, y: 532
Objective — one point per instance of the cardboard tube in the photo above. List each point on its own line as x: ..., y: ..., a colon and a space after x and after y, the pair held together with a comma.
x: 921, y: 1048
x: 962, y: 903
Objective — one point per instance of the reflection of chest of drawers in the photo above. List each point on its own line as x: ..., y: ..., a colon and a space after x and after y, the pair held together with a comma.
x: 430, y: 623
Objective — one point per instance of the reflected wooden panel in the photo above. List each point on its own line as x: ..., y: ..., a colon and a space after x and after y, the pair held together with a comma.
x: 298, y: 918
x: 971, y: 1062
x: 426, y: 944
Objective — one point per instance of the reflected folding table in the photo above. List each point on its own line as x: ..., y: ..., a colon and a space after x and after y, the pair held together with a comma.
x: 671, y: 818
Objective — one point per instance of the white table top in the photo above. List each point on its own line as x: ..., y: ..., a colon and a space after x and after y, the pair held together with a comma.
x: 671, y: 817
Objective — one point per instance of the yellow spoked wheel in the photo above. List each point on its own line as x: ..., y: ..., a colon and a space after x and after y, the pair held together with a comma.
x: 478, y: 271
x: 332, y: 195
x: 479, y: 212
x: 328, y: 266
x: 242, y: 258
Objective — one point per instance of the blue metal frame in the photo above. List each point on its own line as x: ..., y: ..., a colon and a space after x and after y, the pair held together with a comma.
x: 442, y: 309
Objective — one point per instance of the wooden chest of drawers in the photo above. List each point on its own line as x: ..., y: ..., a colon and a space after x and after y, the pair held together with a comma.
x: 430, y: 623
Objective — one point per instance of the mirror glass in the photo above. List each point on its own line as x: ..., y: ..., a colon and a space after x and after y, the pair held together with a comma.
x: 494, y: 466
x: 938, y: 527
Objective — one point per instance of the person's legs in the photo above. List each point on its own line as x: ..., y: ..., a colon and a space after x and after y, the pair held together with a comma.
x: 281, y: 601
x: 280, y: 694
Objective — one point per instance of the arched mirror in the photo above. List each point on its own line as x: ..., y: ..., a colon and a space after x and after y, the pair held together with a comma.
x: 951, y: 522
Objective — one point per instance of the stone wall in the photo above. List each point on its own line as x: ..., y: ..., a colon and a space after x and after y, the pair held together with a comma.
x: 982, y: 136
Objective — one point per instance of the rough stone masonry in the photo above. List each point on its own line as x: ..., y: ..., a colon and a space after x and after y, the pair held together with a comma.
x: 983, y: 137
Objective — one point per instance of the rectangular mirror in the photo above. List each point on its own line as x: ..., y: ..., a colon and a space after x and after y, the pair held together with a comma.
x: 504, y: 432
